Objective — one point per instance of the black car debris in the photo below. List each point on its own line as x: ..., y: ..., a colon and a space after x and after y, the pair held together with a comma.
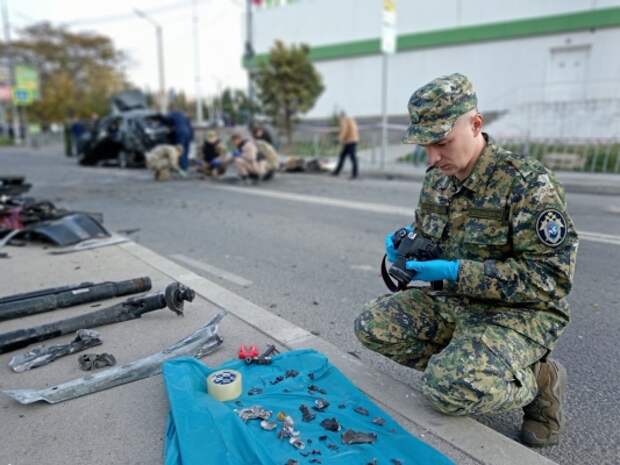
x: 126, y: 134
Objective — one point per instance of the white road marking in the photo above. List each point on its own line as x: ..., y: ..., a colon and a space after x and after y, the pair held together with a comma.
x: 598, y: 237
x: 363, y: 267
x: 378, y: 208
x: 233, y: 278
x: 350, y: 204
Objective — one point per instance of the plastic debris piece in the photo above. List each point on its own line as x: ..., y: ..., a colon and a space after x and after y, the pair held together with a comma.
x: 396, y: 462
x: 342, y: 406
x: 379, y: 421
x: 323, y: 437
x: 330, y: 424
x: 255, y: 391
x: 356, y: 437
x: 291, y: 373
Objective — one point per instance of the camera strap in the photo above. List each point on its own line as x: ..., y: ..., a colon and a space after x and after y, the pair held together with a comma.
x: 391, y: 285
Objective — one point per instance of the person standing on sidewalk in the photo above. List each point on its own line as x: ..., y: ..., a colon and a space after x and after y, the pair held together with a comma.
x: 348, y: 137
x: 507, y: 265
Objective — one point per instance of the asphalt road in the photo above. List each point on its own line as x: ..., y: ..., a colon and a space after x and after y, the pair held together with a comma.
x: 307, y: 248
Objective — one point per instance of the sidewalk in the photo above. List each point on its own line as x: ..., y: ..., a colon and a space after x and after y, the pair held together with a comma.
x: 126, y: 424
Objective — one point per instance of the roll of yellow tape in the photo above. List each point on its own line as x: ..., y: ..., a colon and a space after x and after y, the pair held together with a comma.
x: 224, y: 385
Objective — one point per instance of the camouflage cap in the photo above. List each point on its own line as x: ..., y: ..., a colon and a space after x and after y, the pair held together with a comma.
x: 434, y: 108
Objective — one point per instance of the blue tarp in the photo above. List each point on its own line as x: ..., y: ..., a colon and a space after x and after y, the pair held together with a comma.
x: 204, y: 431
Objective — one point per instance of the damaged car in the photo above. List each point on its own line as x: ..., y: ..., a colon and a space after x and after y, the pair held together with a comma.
x: 127, y: 133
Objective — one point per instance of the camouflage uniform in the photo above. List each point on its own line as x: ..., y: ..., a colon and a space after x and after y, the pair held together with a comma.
x: 477, y: 339
x: 163, y: 160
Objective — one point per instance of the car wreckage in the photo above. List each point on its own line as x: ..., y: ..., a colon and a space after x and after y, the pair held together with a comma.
x: 127, y: 133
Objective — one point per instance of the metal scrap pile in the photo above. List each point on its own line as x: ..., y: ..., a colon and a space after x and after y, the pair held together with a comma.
x: 203, y: 341
x: 28, y: 218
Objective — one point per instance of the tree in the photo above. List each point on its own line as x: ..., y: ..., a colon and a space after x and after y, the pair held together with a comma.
x: 78, y: 71
x: 234, y: 105
x: 288, y: 85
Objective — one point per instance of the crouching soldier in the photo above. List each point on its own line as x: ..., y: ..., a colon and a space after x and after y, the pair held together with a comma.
x: 214, y: 155
x: 507, y: 265
x: 163, y: 160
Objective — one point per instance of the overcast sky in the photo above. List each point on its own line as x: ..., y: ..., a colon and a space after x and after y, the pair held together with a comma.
x: 220, y: 36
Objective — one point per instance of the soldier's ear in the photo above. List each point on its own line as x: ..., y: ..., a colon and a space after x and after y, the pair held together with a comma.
x: 476, y: 124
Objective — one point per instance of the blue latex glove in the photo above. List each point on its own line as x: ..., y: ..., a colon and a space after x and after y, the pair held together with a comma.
x: 236, y: 153
x: 434, y: 270
x: 390, y: 251
x: 215, y: 163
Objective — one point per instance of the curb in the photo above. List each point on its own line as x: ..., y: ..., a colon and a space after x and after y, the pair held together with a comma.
x: 464, y: 434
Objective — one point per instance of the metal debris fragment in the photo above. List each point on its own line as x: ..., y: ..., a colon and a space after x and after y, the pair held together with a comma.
x: 356, y: 437
x: 330, y: 424
x: 253, y: 413
x: 361, y: 410
x: 307, y: 415
x: 90, y: 362
x: 297, y: 443
x: 313, y: 388
x: 378, y: 421
x: 255, y: 391
x: 320, y: 404
x: 268, y: 425
x: 277, y: 380
x: 202, y: 342
x: 40, y: 355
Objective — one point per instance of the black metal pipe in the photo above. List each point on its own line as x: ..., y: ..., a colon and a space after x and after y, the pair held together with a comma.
x: 172, y: 297
x: 45, y: 300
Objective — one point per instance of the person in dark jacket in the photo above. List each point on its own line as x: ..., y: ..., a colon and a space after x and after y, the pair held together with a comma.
x: 183, y: 135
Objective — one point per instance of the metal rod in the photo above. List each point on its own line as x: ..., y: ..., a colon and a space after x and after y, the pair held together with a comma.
x: 384, y: 119
x: 173, y: 297
x: 52, y: 299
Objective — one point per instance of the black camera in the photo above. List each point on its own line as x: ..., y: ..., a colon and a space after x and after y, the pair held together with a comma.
x: 410, y: 246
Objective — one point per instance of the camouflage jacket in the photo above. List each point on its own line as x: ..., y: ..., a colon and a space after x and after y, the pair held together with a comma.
x: 507, y: 224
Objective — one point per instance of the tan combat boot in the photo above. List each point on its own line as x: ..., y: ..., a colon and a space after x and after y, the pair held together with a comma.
x: 543, y: 420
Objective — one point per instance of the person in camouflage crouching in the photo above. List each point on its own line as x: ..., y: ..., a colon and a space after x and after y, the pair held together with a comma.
x: 508, y: 261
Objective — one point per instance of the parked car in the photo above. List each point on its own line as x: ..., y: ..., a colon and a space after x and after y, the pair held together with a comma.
x: 127, y: 133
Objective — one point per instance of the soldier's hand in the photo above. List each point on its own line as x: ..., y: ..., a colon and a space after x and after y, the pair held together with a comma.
x: 390, y: 250
x: 434, y: 270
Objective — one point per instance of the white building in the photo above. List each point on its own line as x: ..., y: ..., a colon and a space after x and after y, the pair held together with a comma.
x: 549, y: 61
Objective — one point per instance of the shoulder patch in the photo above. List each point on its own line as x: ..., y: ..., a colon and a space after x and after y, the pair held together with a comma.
x: 551, y: 227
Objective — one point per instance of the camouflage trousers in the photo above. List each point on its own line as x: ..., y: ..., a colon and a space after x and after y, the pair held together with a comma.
x: 470, y: 366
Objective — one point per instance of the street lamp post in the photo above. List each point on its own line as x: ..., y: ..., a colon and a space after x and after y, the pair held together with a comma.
x: 163, y: 97
x: 249, y: 54
x: 199, y: 115
x: 11, y: 63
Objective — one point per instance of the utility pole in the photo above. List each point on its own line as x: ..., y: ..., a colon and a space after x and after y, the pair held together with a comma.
x: 249, y: 55
x: 199, y: 115
x: 11, y: 63
x: 163, y: 95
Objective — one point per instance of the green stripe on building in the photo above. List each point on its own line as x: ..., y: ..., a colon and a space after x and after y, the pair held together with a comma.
x: 571, y: 22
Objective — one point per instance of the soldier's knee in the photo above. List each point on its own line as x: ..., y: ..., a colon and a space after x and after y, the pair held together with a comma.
x: 366, y: 325
x: 451, y: 391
